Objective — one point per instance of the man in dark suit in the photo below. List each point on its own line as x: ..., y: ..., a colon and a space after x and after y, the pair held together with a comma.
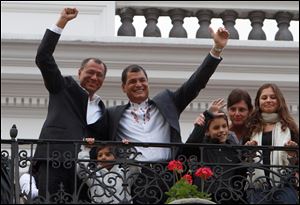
x: 157, y: 119
x: 74, y: 112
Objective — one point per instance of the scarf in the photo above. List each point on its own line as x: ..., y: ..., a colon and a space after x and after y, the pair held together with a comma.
x: 270, y: 117
x: 278, y: 157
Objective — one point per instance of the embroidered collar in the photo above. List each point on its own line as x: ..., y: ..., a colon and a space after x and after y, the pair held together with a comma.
x: 140, y: 111
x: 144, y: 105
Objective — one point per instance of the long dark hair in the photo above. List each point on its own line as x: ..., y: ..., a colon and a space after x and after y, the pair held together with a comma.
x: 255, y: 120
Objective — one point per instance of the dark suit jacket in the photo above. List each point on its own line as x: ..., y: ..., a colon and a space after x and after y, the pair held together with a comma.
x: 171, y: 104
x: 66, y: 118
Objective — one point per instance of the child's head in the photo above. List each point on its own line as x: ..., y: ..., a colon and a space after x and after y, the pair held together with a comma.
x: 217, y: 128
x: 104, y: 153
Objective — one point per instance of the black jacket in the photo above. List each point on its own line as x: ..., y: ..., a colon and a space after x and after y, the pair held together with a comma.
x: 66, y: 118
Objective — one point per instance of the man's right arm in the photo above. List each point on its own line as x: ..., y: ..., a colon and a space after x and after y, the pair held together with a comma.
x: 66, y: 15
x: 44, y: 59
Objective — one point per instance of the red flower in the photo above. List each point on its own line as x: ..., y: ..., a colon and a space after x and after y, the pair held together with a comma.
x: 204, y: 173
x: 188, y: 178
x: 175, y: 165
x: 184, y: 187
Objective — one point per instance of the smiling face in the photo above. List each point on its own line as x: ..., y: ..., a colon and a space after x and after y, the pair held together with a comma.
x: 136, y: 87
x: 268, y: 102
x: 238, y: 113
x: 218, y: 129
x: 91, y: 76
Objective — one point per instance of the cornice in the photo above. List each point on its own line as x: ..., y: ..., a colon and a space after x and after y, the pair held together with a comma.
x: 41, y: 103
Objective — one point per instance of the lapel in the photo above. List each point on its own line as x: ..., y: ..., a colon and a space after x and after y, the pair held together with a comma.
x: 167, y: 108
x: 79, y: 100
x: 116, y: 116
x: 102, y: 107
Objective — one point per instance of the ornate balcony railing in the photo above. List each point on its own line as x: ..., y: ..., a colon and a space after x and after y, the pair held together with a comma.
x: 228, y: 12
x: 232, y: 181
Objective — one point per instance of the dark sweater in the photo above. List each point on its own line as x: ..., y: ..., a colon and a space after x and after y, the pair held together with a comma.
x: 225, y: 162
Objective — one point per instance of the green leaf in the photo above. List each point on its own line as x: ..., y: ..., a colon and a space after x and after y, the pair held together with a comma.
x: 182, y: 189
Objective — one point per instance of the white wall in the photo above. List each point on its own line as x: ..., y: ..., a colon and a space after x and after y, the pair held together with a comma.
x: 28, y: 128
x: 30, y: 19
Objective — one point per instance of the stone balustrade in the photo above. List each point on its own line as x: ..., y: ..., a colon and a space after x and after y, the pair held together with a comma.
x: 228, y: 12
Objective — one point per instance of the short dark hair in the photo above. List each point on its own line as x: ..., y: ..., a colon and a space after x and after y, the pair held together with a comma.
x: 238, y: 95
x: 132, y: 68
x: 224, y: 116
x: 96, y: 60
x: 94, y: 151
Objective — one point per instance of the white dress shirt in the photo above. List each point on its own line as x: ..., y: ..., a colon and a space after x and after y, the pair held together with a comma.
x: 144, y: 123
x: 93, y: 110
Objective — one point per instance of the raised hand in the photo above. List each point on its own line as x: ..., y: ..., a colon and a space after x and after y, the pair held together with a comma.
x: 69, y: 13
x: 216, y: 105
x: 66, y: 15
x: 200, y: 120
x: 220, y: 37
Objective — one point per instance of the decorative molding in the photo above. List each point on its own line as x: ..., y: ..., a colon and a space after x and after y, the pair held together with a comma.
x: 38, y: 102
x: 88, y: 7
x: 24, y: 101
x: 169, y: 55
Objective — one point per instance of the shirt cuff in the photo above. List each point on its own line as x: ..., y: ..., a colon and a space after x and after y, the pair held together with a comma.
x: 217, y: 57
x: 56, y: 29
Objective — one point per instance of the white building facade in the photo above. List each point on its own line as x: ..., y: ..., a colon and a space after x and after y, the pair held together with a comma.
x: 169, y: 62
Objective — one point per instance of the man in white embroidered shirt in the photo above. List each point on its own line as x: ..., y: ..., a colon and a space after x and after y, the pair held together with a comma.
x: 157, y: 119
x: 144, y: 123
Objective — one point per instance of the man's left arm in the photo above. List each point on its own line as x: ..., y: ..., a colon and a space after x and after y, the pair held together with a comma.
x: 191, y: 88
x: 220, y: 41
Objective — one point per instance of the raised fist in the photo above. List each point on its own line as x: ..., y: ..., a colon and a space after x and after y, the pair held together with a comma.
x: 69, y: 13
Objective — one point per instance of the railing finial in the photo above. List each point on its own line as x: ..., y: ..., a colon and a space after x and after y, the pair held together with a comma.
x: 13, y: 131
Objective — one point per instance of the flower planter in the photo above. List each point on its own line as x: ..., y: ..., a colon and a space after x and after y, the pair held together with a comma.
x: 192, y: 201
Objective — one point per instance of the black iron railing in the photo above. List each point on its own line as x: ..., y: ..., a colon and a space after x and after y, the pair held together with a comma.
x: 145, y: 182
